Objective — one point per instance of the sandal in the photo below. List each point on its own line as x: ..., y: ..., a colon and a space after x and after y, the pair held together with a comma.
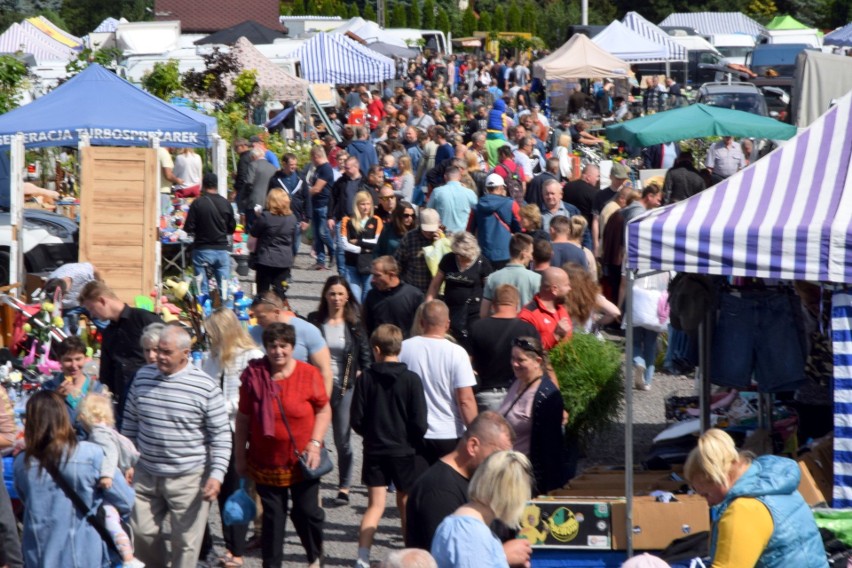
x: 228, y: 561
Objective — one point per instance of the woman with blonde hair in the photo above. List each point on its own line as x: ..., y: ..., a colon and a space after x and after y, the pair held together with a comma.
x: 759, y: 516
x: 463, y: 273
x: 475, y: 172
x: 273, y: 233
x: 563, y: 152
x: 406, y: 177
x: 576, y: 230
x: 359, y: 235
x: 231, y: 349
x: 530, y: 215
x: 586, y: 305
x: 499, y: 489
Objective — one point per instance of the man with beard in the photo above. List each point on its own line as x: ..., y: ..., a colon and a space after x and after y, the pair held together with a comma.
x: 546, y: 312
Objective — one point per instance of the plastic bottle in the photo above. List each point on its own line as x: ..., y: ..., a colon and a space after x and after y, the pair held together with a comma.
x: 197, y: 358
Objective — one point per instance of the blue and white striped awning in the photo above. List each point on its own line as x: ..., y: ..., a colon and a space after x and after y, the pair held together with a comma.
x: 710, y: 23
x: 788, y: 215
x: 107, y: 26
x: 334, y: 58
x: 841, y: 345
x: 674, y: 50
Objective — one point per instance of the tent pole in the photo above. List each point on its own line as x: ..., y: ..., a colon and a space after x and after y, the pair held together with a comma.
x: 705, y: 339
x: 628, y: 413
x: 17, y: 162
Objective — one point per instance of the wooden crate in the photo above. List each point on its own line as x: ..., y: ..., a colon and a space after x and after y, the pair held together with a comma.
x: 119, y: 207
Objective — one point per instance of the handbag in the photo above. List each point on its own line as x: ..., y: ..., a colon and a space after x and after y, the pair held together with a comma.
x: 239, y: 509
x: 97, y: 518
x: 325, y: 464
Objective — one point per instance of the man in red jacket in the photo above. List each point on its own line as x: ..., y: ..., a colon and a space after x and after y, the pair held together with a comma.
x: 375, y: 110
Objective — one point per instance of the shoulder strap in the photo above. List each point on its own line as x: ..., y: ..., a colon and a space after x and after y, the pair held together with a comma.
x: 286, y: 423
x: 92, y: 519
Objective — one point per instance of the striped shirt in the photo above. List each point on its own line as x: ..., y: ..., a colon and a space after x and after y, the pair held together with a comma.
x: 177, y: 421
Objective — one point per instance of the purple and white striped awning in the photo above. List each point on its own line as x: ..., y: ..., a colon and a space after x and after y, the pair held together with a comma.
x: 26, y: 38
x: 674, y: 50
x: 710, y: 23
x: 788, y: 215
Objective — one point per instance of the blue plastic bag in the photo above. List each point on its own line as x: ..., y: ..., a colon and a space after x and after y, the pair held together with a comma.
x: 239, y: 508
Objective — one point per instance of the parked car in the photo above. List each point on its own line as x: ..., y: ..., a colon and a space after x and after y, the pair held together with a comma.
x: 737, y: 96
x: 50, y: 240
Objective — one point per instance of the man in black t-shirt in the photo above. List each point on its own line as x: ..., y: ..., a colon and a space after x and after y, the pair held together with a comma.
x: 390, y: 300
x: 491, y: 347
x: 443, y: 488
x: 581, y: 193
x: 211, y: 220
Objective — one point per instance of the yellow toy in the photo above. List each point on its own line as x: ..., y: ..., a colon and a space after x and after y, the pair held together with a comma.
x: 530, y: 521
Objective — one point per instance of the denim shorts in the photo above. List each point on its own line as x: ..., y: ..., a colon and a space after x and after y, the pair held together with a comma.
x: 759, y: 334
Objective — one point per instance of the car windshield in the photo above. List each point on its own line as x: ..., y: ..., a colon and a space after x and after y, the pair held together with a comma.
x: 747, y: 102
x: 734, y: 50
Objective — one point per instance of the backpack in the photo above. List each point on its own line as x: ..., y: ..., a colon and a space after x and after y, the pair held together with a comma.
x: 513, y: 182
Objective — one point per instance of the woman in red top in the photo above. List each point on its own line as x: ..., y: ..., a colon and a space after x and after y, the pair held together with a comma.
x: 265, y: 451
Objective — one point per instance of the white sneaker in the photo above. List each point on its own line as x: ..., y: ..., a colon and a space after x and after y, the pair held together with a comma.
x: 135, y: 563
x: 361, y: 564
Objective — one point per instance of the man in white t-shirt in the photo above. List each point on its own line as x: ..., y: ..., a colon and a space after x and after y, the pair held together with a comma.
x: 448, y: 380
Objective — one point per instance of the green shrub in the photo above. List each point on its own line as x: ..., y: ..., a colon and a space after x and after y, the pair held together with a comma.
x: 591, y: 380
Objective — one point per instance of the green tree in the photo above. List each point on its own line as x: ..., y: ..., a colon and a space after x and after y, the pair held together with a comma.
x: 297, y: 7
x: 603, y: 12
x: 513, y: 17
x: 369, y: 12
x: 352, y: 10
x: 429, y: 15
x: 554, y: 21
x: 12, y: 75
x: 529, y: 17
x: 468, y: 22
x: 761, y: 10
x: 415, y: 15
x: 484, y: 23
x: 398, y: 16
x: 498, y: 22
x: 442, y: 20
x: 163, y: 80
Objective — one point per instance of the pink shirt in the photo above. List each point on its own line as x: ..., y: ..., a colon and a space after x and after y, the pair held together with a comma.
x: 520, y: 414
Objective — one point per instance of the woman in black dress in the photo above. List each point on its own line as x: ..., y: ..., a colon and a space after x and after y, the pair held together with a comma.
x: 463, y: 272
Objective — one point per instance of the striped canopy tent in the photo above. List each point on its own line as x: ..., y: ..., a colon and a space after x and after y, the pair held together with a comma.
x: 711, y: 23
x: 628, y: 45
x: 27, y: 38
x: 787, y: 216
x: 638, y: 24
x: 337, y: 59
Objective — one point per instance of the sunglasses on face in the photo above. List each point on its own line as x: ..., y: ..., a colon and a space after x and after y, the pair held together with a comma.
x: 408, y: 215
x: 387, y: 198
x: 526, y: 345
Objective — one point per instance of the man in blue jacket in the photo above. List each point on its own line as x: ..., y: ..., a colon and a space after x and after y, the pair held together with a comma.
x: 495, y: 218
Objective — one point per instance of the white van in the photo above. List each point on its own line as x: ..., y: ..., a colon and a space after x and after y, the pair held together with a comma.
x: 733, y: 47
x: 808, y: 36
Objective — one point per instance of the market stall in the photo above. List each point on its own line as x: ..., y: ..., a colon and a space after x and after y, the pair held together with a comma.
x: 98, y: 108
x: 711, y: 23
x: 628, y: 45
x: 641, y: 26
x: 788, y: 216
x: 580, y: 58
x: 337, y: 59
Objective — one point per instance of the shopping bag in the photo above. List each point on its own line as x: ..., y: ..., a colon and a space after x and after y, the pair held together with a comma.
x: 239, y: 508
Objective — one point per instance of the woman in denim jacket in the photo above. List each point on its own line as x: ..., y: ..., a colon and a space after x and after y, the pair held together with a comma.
x: 55, y: 533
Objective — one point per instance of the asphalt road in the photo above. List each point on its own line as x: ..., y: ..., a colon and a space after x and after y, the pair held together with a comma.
x: 341, y: 528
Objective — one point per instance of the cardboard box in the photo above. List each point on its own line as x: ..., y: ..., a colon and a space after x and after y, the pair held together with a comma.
x: 574, y: 524
x: 809, y: 488
x: 656, y: 525
x: 820, y: 464
x: 611, y: 484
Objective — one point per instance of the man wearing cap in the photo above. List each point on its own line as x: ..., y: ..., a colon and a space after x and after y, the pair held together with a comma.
x: 211, y: 221
x: 495, y: 218
x: 269, y: 155
x: 410, y: 256
x: 453, y: 201
x: 618, y: 176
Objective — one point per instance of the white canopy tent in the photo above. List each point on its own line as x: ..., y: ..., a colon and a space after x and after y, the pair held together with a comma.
x: 628, y: 45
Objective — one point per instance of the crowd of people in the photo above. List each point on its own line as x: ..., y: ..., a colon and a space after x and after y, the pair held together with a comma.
x: 467, y: 244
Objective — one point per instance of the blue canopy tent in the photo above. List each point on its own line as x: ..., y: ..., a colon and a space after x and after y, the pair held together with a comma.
x: 112, y: 111
x: 841, y: 37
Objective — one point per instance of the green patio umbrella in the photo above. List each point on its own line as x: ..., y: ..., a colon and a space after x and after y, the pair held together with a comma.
x: 697, y: 121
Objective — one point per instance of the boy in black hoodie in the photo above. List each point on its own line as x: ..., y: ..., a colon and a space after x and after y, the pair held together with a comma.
x: 389, y: 412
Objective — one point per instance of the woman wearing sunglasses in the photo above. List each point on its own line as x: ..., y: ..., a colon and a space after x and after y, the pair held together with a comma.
x: 534, y: 405
x: 403, y: 219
